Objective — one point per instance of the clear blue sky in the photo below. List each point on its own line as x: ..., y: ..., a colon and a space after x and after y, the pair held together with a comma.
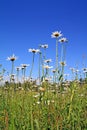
x: 25, y: 24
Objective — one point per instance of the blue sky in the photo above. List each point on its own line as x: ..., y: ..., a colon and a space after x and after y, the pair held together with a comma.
x: 25, y: 24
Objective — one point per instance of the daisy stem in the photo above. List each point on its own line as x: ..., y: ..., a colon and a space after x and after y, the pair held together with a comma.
x: 17, y: 76
x: 32, y: 65
x: 39, y: 67
x: 12, y: 67
x: 24, y: 73
x: 57, y: 58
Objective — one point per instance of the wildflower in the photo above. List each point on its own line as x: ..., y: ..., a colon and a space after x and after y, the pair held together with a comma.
x: 52, y: 101
x: 56, y: 34
x: 12, y: 77
x: 38, y: 102
x: 18, y: 68
x: 24, y: 65
x: 63, y: 63
x: 48, y: 102
x: 48, y: 60
x: 46, y: 79
x: 35, y: 96
x: 44, y: 46
x: 41, y: 89
x: 47, y: 67
x: 62, y: 40
x: 76, y: 70
x: 34, y: 50
x: 5, y: 88
x: 6, y: 82
x: 12, y: 58
x: 54, y: 70
x: 84, y: 69
x: 20, y: 88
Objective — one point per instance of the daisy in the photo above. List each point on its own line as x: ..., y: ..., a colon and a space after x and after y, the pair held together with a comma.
x: 34, y: 50
x: 62, y: 40
x: 48, y: 60
x: 24, y: 65
x: 63, y: 63
x: 12, y: 58
x: 47, y: 67
x: 44, y: 46
x: 18, y: 68
x: 56, y: 34
x: 54, y: 70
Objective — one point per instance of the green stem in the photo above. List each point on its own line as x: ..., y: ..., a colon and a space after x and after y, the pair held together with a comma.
x: 39, y: 67
x: 32, y: 65
x: 24, y: 73
x: 57, y: 59
x: 62, y: 71
x: 12, y: 67
x: 42, y: 69
x: 12, y: 70
x: 17, y: 75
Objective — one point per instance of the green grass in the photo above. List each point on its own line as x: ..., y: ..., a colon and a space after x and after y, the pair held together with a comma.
x: 36, y: 110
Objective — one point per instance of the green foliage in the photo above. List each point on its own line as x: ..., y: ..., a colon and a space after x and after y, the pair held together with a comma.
x: 25, y: 109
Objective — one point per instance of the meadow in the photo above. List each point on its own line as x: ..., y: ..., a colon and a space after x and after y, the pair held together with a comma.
x: 44, y: 107
x: 54, y: 103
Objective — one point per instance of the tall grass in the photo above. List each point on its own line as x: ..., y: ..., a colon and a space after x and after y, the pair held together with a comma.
x: 28, y: 109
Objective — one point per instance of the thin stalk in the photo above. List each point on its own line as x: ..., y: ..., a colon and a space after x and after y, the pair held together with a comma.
x: 71, y: 100
x: 42, y: 69
x: 62, y: 72
x: 63, y: 52
x: 54, y: 78
x: 12, y: 70
x: 32, y: 127
x: 12, y: 67
x: 39, y: 67
x: 57, y: 59
x: 46, y: 75
x: 24, y: 73
x: 32, y: 65
x: 17, y: 76
x: 86, y: 74
x: 62, y: 49
x: 44, y: 53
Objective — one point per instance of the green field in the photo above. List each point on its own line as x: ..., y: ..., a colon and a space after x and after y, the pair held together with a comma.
x: 45, y: 107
